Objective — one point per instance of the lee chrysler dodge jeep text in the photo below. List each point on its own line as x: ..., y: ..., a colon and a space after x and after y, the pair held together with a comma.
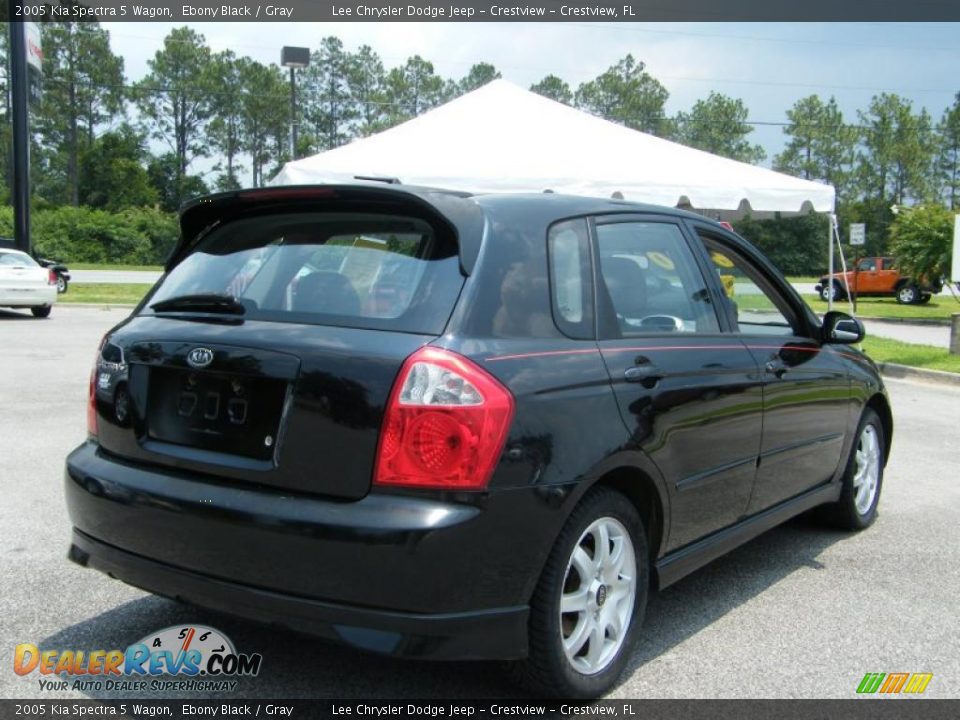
x: 445, y: 426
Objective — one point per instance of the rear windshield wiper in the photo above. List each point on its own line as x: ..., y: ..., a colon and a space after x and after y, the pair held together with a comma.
x: 204, y: 302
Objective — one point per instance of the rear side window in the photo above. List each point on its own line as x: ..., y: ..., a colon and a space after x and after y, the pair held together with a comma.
x: 365, y: 271
x: 568, y: 245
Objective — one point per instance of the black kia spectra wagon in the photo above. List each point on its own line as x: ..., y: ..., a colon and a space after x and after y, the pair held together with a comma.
x: 436, y: 425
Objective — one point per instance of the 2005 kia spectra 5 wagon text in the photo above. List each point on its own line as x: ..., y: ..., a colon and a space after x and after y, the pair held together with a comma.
x: 445, y: 426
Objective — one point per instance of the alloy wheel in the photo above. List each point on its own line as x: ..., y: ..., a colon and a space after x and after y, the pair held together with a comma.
x: 867, y: 473
x: 599, y: 591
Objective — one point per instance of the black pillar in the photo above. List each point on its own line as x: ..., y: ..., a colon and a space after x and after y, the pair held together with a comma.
x: 20, y: 192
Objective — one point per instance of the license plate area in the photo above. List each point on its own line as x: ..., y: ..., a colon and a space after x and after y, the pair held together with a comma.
x: 220, y: 412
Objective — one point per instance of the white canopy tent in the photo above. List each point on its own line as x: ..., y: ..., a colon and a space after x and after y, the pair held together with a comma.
x: 501, y: 138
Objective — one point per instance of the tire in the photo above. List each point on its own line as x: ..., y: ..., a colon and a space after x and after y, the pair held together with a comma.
x: 827, y: 288
x: 551, y: 669
x: 908, y: 295
x: 925, y: 298
x: 41, y: 311
x: 857, y: 507
x: 62, y: 284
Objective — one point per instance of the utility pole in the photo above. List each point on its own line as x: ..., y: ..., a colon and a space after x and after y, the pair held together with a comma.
x: 20, y: 191
x: 293, y: 58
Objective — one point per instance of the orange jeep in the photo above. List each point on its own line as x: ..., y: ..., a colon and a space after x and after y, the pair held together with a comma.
x: 877, y: 276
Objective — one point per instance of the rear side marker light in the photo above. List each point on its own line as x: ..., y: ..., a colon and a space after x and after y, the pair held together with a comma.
x: 445, y: 425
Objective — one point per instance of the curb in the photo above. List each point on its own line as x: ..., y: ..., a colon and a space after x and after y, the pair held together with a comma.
x: 101, y: 306
x: 911, y: 373
x: 907, y: 321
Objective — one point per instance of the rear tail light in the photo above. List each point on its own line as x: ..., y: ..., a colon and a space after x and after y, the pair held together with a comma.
x: 93, y: 429
x: 445, y: 424
x: 51, y: 277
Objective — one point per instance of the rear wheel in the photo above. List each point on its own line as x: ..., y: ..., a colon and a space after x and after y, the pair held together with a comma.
x: 857, y: 507
x: 42, y: 311
x: 588, y: 606
x: 61, y: 284
x: 908, y: 295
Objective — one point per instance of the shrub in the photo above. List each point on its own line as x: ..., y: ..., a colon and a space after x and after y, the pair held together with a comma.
x: 921, y: 240
x: 136, y: 236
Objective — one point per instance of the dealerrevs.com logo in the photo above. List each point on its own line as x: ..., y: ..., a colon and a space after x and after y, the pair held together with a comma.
x: 179, y: 658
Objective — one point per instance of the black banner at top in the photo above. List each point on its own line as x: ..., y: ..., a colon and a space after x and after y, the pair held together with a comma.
x: 484, y: 10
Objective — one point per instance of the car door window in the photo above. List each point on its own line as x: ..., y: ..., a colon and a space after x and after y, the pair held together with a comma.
x: 652, y: 280
x: 758, y: 307
x: 868, y: 264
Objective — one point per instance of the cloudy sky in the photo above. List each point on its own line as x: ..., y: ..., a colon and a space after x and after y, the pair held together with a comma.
x: 768, y: 65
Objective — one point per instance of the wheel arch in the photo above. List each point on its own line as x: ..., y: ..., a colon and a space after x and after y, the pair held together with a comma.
x: 881, y: 406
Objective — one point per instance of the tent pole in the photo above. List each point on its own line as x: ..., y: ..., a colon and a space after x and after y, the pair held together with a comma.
x: 833, y: 221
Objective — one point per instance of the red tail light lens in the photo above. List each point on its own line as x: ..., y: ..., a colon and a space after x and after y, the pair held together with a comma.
x: 445, y: 425
x: 51, y: 277
x: 93, y: 428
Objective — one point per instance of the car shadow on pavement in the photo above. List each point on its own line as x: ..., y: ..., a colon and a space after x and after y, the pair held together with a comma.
x: 298, y: 666
x: 15, y: 315
x: 696, y: 601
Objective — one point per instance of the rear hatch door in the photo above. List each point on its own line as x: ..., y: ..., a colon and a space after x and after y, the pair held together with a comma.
x: 267, y: 354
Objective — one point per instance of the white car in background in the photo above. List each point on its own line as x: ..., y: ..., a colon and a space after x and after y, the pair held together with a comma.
x: 24, y: 284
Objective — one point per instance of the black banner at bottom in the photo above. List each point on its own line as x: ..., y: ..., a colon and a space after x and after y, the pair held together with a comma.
x: 854, y: 709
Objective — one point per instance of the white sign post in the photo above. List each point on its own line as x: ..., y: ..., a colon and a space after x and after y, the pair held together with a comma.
x: 858, y: 234
x: 955, y: 270
x: 34, y: 61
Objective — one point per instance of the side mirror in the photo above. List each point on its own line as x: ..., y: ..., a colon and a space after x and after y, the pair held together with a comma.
x: 842, y: 329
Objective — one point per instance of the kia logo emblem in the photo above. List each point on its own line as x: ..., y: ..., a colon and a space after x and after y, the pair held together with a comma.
x: 200, y: 357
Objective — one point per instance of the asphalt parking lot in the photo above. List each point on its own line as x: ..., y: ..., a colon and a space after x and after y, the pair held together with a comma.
x: 801, y: 612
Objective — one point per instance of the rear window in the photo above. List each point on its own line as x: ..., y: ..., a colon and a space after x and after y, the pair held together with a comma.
x: 16, y: 258
x: 365, y: 271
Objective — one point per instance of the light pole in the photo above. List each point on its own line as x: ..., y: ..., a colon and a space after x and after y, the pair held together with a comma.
x: 293, y: 58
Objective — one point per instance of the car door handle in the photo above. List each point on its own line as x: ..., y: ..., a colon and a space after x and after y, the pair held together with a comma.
x: 643, y: 373
x: 775, y: 367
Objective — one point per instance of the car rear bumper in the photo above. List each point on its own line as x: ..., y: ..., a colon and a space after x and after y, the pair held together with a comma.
x: 489, y: 634
x: 28, y: 296
x: 402, y: 575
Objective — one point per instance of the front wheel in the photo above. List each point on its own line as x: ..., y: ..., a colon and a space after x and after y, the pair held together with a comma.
x: 908, y: 295
x: 830, y: 291
x: 925, y: 298
x: 589, y: 604
x: 857, y: 507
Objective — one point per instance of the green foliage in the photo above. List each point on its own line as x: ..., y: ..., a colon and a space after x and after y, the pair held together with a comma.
x: 112, y: 173
x: 225, y: 130
x: 479, y: 75
x: 171, y: 188
x: 176, y: 100
x: 82, y: 90
x: 897, y: 150
x: 718, y: 125
x: 80, y: 234
x: 921, y: 239
x: 554, y: 88
x: 326, y: 103
x: 628, y: 95
x: 796, y: 245
x: 948, y: 159
x: 821, y: 146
